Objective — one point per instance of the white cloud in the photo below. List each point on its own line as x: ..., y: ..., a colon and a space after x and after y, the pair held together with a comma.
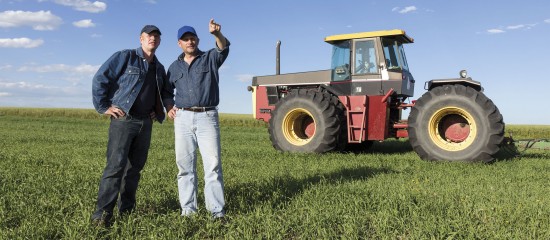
x: 151, y: 1
x: 26, y: 93
x: 20, y: 42
x: 522, y: 26
x: 512, y: 28
x: 85, y: 23
x: 6, y: 67
x: 515, y: 27
x: 244, y: 77
x: 408, y: 9
x: 83, y: 5
x: 404, y: 10
x: 41, y: 20
x: 547, y: 21
x: 24, y: 85
x: 49, y: 87
x: 495, y: 31
x: 80, y: 69
x: 224, y: 67
x: 86, y: 69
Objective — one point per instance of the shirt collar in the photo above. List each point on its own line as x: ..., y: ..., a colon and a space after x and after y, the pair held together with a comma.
x: 199, y: 53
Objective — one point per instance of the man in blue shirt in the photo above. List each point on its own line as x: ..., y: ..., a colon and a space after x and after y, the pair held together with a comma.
x: 131, y: 87
x: 195, y: 77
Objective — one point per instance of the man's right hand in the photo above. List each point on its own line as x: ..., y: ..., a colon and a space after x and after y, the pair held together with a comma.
x: 114, y: 112
x: 172, y: 112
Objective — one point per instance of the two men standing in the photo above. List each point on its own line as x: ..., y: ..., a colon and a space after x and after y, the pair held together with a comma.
x: 132, y: 87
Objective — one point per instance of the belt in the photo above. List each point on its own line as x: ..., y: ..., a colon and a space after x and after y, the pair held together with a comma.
x: 199, y: 109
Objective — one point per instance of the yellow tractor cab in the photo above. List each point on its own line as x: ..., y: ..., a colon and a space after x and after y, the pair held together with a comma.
x: 371, y: 57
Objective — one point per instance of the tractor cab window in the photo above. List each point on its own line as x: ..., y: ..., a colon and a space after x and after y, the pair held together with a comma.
x: 340, y: 63
x: 394, y: 55
x: 365, y: 58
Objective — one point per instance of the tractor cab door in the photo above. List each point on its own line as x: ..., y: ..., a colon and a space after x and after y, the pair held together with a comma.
x: 356, y: 67
x: 394, y: 68
x: 366, y: 74
x: 340, y: 62
x: 365, y: 59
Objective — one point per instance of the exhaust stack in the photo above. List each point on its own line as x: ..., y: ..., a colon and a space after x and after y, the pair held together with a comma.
x: 278, y: 59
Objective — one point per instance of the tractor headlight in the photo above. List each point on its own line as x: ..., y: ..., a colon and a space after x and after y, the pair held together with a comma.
x: 463, y: 73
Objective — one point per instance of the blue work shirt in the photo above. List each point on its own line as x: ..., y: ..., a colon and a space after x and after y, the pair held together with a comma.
x: 119, y: 80
x: 197, y: 84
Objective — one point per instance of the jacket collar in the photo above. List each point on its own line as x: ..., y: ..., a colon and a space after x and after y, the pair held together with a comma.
x: 139, y: 52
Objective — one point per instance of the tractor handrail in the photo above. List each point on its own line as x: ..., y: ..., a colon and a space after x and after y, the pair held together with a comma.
x: 385, y: 98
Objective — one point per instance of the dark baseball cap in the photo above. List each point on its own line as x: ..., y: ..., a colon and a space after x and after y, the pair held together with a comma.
x: 149, y: 29
x: 186, y: 29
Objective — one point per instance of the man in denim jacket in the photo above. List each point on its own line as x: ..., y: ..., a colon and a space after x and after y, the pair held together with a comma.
x: 131, y: 87
x: 195, y: 77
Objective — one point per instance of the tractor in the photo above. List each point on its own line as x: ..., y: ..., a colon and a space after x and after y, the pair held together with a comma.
x: 360, y: 100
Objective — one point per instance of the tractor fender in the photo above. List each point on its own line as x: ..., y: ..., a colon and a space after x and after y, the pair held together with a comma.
x: 429, y: 85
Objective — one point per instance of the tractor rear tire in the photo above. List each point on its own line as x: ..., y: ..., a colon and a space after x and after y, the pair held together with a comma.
x: 306, y: 121
x: 455, y: 123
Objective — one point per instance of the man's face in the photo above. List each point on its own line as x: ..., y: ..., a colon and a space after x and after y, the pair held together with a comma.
x: 188, y: 43
x: 150, y: 41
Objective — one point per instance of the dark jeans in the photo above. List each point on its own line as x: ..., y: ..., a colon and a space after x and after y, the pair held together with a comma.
x: 129, y: 140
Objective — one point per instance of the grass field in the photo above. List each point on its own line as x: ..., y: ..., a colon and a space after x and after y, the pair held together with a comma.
x: 51, y: 161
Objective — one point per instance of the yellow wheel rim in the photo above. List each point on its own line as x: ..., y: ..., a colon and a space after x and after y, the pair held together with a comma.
x: 452, y: 129
x: 298, y: 126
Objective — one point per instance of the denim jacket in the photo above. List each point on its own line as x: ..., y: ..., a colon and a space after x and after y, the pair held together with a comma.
x: 119, y: 80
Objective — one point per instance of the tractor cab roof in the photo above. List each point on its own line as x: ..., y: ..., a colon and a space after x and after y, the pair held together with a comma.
x: 397, y: 33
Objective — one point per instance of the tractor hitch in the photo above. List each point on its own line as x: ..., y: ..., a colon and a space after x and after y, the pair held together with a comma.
x: 512, y: 146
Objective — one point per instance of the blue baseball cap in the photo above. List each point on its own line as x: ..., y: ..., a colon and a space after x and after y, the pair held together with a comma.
x: 186, y: 29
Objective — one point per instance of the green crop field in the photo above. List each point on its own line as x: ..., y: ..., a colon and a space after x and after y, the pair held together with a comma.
x: 51, y: 161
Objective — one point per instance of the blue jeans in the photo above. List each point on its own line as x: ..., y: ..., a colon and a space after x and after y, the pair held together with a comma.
x: 192, y: 130
x: 127, y: 149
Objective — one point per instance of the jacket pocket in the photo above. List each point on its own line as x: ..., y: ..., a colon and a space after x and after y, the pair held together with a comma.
x: 130, y: 76
x: 131, y: 70
x: 126, y: 84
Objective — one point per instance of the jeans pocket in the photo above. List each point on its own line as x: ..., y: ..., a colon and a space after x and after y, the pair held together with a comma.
x: 212, y: 114
x: 121, y: 118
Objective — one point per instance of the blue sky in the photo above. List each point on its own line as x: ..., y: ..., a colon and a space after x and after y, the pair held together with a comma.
x: 51, y: 48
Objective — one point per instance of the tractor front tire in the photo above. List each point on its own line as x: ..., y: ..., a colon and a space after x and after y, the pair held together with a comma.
x: 306, y: 121
x: 455, y: 123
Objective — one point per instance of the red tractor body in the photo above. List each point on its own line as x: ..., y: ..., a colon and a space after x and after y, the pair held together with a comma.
x: 360, y: 99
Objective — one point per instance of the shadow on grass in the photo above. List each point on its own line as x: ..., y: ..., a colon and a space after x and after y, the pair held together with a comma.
x: 384, y: 147
x: 166, y: 205
x: 281, y: 190
x: 508, y: 153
